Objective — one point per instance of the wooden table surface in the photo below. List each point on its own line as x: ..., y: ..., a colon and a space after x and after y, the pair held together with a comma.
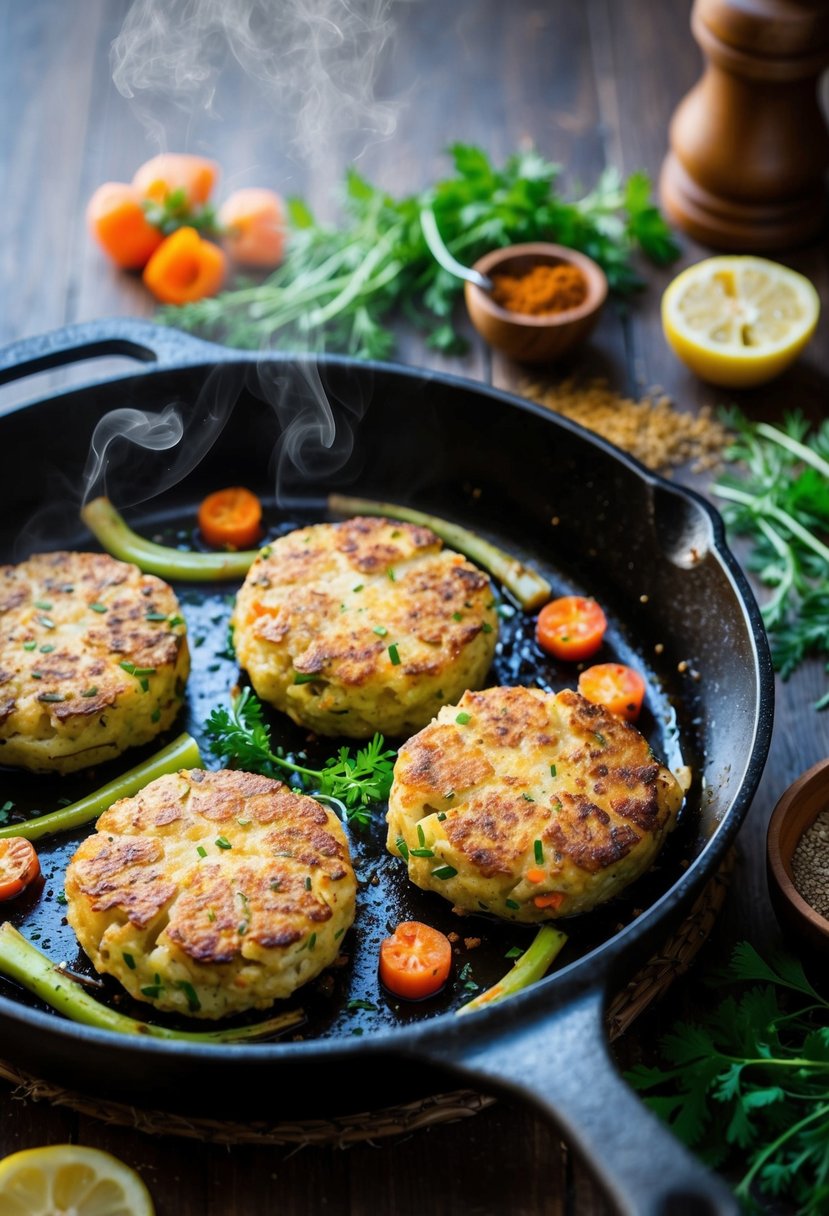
x: 588, y: 84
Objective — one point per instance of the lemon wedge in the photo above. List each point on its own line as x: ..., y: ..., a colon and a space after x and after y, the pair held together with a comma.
x: 70, y: 1180
x: 737, y: 320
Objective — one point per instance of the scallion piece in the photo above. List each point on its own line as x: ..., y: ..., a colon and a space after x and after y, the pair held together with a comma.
x: 528, y: 587
x: 531, y: 966
x: 24, y: 963
x: 107, y: 525
x: 183, y: 752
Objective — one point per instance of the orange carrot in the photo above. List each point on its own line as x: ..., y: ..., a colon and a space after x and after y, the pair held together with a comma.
x: 184, y: 268
x: 116, y: 219
x: 551, y: 899
x: 415, y: 961
x: 253, y: 223
x: 232, y: 518
x: 19, y: 866
x: 571, y: 627
x: 536, y: 874
x: 172, y: 171
x: 619, y: 688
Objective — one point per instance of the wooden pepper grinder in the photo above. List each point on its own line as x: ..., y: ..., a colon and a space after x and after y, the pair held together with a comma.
x: 749, y: 145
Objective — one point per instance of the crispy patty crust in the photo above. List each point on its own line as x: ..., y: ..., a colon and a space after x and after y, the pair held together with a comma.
x: 363, y: 626
x: 210, y: 893
x: 93, y: 660
x: 529, y: 805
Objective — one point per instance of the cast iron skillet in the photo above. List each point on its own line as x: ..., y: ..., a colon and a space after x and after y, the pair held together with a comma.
x: 594, y: 520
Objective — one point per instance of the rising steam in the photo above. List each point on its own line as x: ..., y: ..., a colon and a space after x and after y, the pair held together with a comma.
x: 316, y: 62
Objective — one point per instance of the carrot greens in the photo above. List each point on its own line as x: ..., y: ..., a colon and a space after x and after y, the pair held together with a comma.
x: 749, y: 1085
x: 240, y: 735
x: 777, y: 495
x: 338, y: 286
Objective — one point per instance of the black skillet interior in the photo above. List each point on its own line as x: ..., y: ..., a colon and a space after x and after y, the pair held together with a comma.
x: 579, y: 511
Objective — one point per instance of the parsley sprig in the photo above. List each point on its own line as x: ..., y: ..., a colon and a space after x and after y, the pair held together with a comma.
x: 339, y: 284
x: 749, y: 1085
x: 779, y: 499
x: 240, y: 736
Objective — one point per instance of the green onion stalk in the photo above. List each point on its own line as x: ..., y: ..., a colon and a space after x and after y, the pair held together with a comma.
x: 531, y: 966
x: 24, y: 963
x: 108, y: 526
x: 183, y: 752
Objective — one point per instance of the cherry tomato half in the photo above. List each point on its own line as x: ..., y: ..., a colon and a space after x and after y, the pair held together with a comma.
x: 571, y: 627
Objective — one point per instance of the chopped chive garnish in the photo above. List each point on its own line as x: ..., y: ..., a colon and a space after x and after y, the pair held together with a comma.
x: 129, y: 960
x: 211, y: 915
x: 29, y: 645
x: 457, y: 616
x: 301, y: 677
x: 46, y: 622
x: 155, y: 616
x: 155, y: 716
x: 51, y: 696
x: 441, y: 816
x: 128, y: 667
x: 393, y: 655
x: 312, y: 941
x: 46, y: 648
x: 357, y: 1003
x: 511, y: 904
x: 424, y: 852
x: 444, y: 872
x: 176, y: 620
x: 402, y: 848
x: 222, y: 842
x: 552, y: 770
x: 62, y: 899
x: 193, y: 1002
x: 359, y: 587
x: 380, y: 630
x: 201, y: 850
x: 421, y: 836
x: 308, y: 883
x: 449, y: 795
x: 43, y: 605
x: 144, y: 671
x: 90, y: 692
x: 391, y: 574
x: 98, y: 607
x: 462, y: 718
x: 515, y: 952
x: 538, y: 850
x: 486, y: 627
x: 601, y: 739
x: 527, y: 797
x: 36, y: 675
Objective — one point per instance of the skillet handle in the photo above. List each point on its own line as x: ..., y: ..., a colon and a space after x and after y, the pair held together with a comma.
x: 561, y: 1064
x: 140, y: 340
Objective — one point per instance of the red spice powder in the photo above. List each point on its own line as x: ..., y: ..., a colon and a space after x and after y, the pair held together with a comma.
x: 542, y: 290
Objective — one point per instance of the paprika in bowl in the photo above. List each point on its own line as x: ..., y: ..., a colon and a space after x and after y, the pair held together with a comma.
x: 545, y: 299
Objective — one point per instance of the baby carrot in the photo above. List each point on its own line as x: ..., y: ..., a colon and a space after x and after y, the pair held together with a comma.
x: 116, y: 219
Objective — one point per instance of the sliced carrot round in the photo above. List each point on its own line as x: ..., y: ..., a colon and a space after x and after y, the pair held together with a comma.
x: 184, y: 268
x: 619, y: 688
x: 231, y: 518
x: 415, y: 961
x: 116, y: 219
x: 571, y: 627
x: 19, y: 866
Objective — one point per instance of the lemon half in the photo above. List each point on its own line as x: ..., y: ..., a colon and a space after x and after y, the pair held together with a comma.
x: 738, y: 321
x: 60, y: 1179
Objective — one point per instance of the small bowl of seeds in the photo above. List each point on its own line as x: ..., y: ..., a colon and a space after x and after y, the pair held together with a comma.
x: 797, y: 856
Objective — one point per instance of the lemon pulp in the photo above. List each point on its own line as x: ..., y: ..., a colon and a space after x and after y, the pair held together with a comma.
x: 738, y: 321
x: 70, y: 1180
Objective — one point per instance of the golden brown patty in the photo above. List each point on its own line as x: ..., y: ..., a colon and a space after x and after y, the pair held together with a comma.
x: 212, y: 892
x: 368, y: 625
x: 93, y: 660
x: 529, y: 805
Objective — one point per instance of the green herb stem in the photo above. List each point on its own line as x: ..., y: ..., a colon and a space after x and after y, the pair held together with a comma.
x: 24, y: 963
x: 530, y: 967
x: 183, y: 752
x: 530, y: 589
x: 744, y: 1186
x: 761, y: 506
x: 119, y: 540
x: 800, y: 450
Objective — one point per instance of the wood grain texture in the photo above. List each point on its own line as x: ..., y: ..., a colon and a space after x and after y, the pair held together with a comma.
x: 589, y: 84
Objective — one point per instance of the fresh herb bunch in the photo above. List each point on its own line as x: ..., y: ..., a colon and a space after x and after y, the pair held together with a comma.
x: 240, y: 736
x: 175, y: 211
x: 338, y: 286
x: 781, y: 502
x: 750, y: 1086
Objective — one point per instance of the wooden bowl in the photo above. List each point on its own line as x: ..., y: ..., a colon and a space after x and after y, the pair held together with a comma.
x: 797, y: 809
x: 527, y: 338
